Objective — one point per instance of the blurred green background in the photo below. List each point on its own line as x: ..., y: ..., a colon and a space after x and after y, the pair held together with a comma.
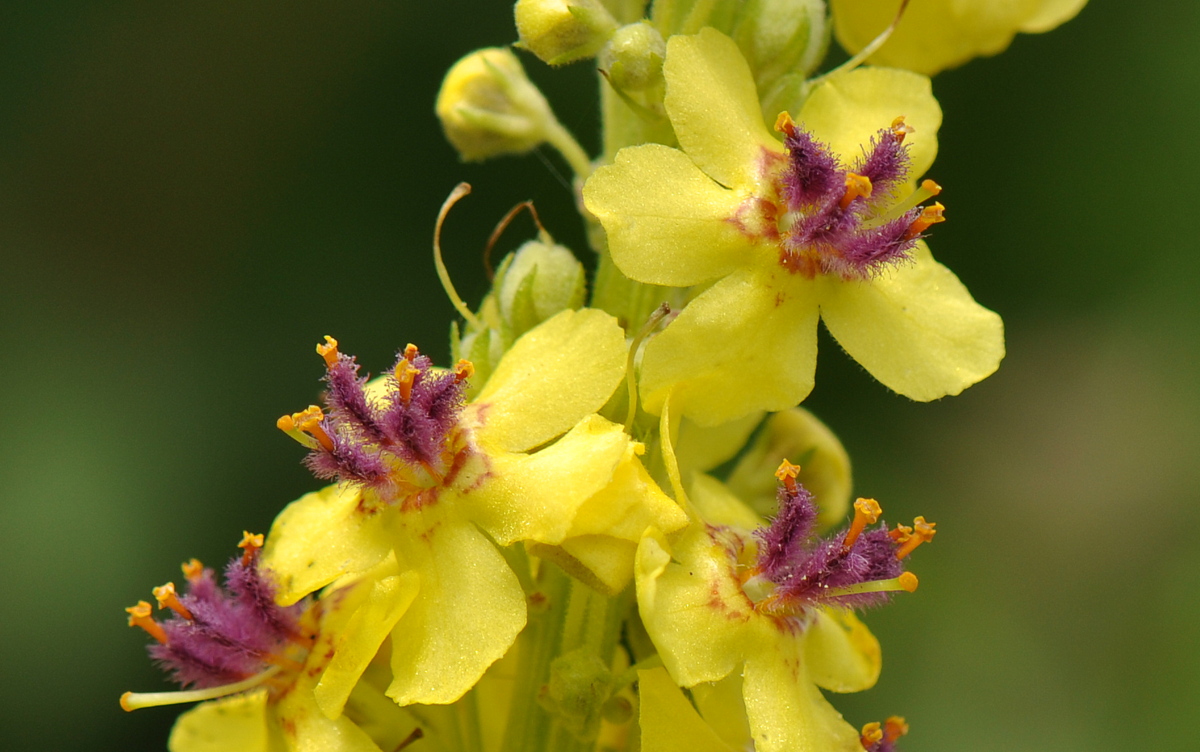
x: 190, y: 196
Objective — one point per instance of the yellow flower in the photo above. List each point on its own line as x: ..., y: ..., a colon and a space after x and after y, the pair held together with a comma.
x: 773, y: 238
x: 770, y: 607
x: 259, y: 664
x: 933, y: 35
x: 527, y: 460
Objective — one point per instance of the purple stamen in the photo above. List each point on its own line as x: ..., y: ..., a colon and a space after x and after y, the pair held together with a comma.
x: 805, y: 569
x: 813, y: 174
x: 347, y: 399
x: 783, y: 540
x: 370, y: 443
x: 830, y: 228
x: 230, y: 634
x: 420, y: 424
x: 886, y: 164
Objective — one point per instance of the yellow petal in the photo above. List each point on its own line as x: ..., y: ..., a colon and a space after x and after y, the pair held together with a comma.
x: 786, y: 710
x: 359, y: 639
x: 669, y: 722
x: 702, y: 448
x: 306, y: 729
x: 718, y: 506
x: 841, y: 653
x: 628, y: 505
x: 915, y: 328
x: 747, y: 343
x: 1051, y: 13
x: 722, y: 707
x: 603, y: 563
x: 667, y: 222
x: 467, y: 612
x: 694, y: 610
x: 238, y: 722
x: 847, y: 110
x: 798, y: 436
x: 554, y: 375
x: 320, y: 537
x: 713, y: 105
x: 939, y: 34
x: 536, y: 496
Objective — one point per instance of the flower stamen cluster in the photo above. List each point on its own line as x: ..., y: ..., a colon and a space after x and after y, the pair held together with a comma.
x: 833, y: 220
x: 224, y: 638
x: 399, y: 445
x: 859, y: 567
x: 882, y: 738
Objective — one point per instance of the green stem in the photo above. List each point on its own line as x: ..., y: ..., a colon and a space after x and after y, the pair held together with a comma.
x: 471, y: 733
x: 560, y: 138
x: 528, y: 724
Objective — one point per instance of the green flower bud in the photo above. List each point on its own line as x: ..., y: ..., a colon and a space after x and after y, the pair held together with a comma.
x: 781, y: 37
x: 563, y: 31
x: 777, y: 37
x: 633, y: 58
x: 798, y: 436
x: 489, y: 107
x: 537, y: 281
x: 580, y: 684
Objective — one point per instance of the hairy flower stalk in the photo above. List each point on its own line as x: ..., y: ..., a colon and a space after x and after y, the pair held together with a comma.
x: 570, y: 539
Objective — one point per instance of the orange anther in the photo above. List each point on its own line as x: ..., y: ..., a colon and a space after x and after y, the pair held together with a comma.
x: 286, y: 423
x: 328, y: 351
x: 168, y: 598
x: 871, y: 734
x: 250, y: 544
x: 894, y: 728
x: 406, y: 373
x: 463, y: 369
x: 930, y: 215
x: 856, y: 186
x: 930, y: 187
x: 866, y: 512
x: 309, y: 421
x: 900, y: 534
x: 784, y: 124
x: 139, y: 616
x: 922, y: 532
x: 787, y: 473
x: 411, y: 352
x: 125, y: 702
x: 193, y: 570
x: 900, y: 129
x: 908, y: 581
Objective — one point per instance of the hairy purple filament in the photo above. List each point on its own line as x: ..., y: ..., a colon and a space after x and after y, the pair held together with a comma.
x: 410, y: 426
x: 824, y: 229
x: 234, y: 633
x: 804, y: 569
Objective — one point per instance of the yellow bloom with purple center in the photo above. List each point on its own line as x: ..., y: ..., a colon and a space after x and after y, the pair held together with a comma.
x: 774, y: 604
x: 256, y: 663
x: 773, y: 236
x: 933, y: 35
x: 438, y: 484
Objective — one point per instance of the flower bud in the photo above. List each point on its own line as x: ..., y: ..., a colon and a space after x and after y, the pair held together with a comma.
x: 795, y: 435
x: 563, y: 31
x: 580, y: 684
x: 633, y: 58
x: 539, y: 280
x: 780, y: 37
x: 488, y: 106
x: 777, y: 37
